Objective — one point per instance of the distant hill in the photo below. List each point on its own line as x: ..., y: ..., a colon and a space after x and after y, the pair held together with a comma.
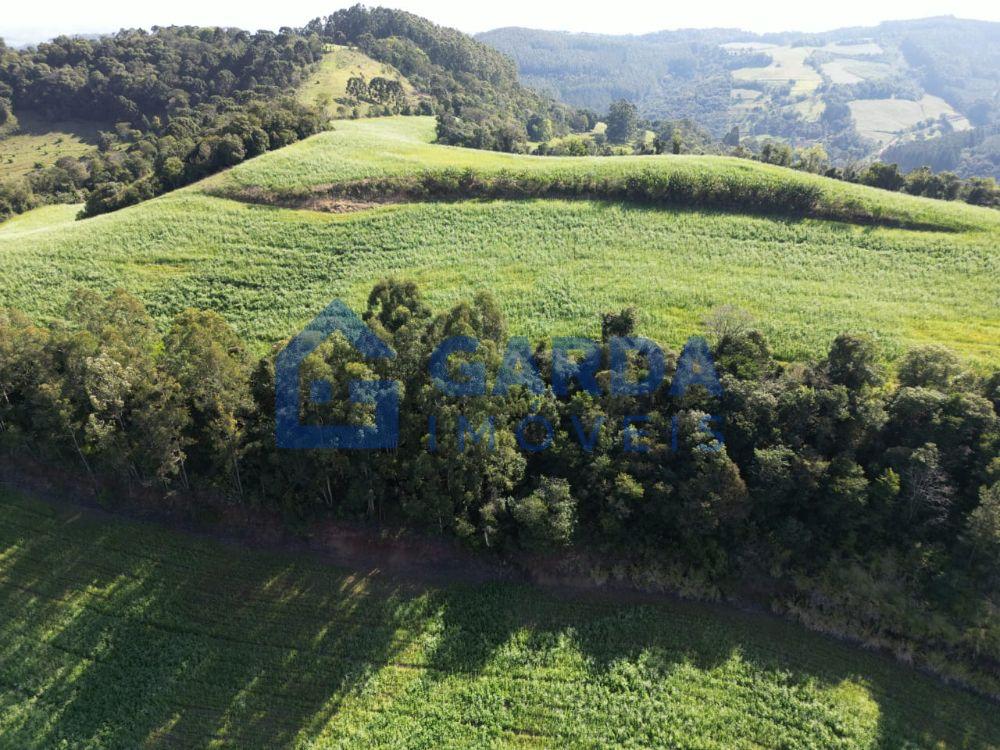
x: 969, y: 153
x: 856, y: 91
x: 115, y: 120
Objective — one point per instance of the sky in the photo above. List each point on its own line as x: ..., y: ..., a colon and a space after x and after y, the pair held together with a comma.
x: 25, y: 22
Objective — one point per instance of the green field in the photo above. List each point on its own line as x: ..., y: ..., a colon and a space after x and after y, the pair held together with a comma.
x: 328, y: 82
x: 43, y: 142
x: 554, y: 266
x: 355, y: 151
x: 120, y: 635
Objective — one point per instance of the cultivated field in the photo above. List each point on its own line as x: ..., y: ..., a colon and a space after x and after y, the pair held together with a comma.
x: 128, y: 636
x: 554, y: 265
x: 855, y: 71
x: 788, y: 65
x: 884, y: 119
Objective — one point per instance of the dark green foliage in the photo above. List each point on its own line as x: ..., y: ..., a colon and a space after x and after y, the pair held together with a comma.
x: 819, y: 463
x: 623, y: 121
x: 16, y: 196
x: 188, y: 102
x: 547, y: 516
x: 968, y: 153
x: 728, y: 191
x: 881, y: 175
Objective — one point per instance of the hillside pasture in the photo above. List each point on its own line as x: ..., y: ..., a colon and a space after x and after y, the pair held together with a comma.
x: 328, y: 81
x: 554, y: 266
x: 400, y: 148
x: 788, y: 65
x: 847, y: 71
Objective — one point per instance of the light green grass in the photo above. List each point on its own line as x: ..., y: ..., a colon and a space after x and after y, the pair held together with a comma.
x: 119, y: 635
x: 41, y: 219
x: 43, y: 142
x: 401, y: 146
x: 554, y: 266
x: 328, y: 82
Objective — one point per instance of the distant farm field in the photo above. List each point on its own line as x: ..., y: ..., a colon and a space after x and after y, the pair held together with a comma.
x: 553, y: 265
x: 855, y: 71
x: 884, y: 119
x: 788, y: 64
x: 120, y: 635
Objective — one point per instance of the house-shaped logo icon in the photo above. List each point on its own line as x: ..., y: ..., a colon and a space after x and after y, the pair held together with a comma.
x: 384, y: 394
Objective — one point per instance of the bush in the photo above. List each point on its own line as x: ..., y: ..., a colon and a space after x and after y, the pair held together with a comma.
x: 547, y: 517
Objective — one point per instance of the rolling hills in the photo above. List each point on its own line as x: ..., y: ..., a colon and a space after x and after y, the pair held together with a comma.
x: 554, y: 265
x: 901, y: 80
x: 117, y: 634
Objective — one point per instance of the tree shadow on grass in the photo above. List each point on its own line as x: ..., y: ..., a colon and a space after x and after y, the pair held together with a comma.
x: 646, y: 670
x: 123, y: 635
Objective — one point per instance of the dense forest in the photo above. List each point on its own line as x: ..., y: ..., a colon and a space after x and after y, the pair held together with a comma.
x: 683, y: 74
x: 185, y: 102
x: 969, y: 153
x: 866, y: 502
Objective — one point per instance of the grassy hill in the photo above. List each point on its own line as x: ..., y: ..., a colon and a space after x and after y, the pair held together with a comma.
x: 554, y: 265
x: 328, y: 82
x: 126, y: 635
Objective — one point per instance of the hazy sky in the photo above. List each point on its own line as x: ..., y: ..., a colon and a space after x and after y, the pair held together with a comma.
x: 22, y: 22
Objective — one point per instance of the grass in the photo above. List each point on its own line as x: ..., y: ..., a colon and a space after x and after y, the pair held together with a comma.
x: 41, y: 219
x: 553, y: 265
x: 43, y: 142
x: 400, y: 147
x: 328, y: 82
x: 120, y: 635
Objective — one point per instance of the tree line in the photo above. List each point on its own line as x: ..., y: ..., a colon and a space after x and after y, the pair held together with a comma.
x: 870, y: 500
